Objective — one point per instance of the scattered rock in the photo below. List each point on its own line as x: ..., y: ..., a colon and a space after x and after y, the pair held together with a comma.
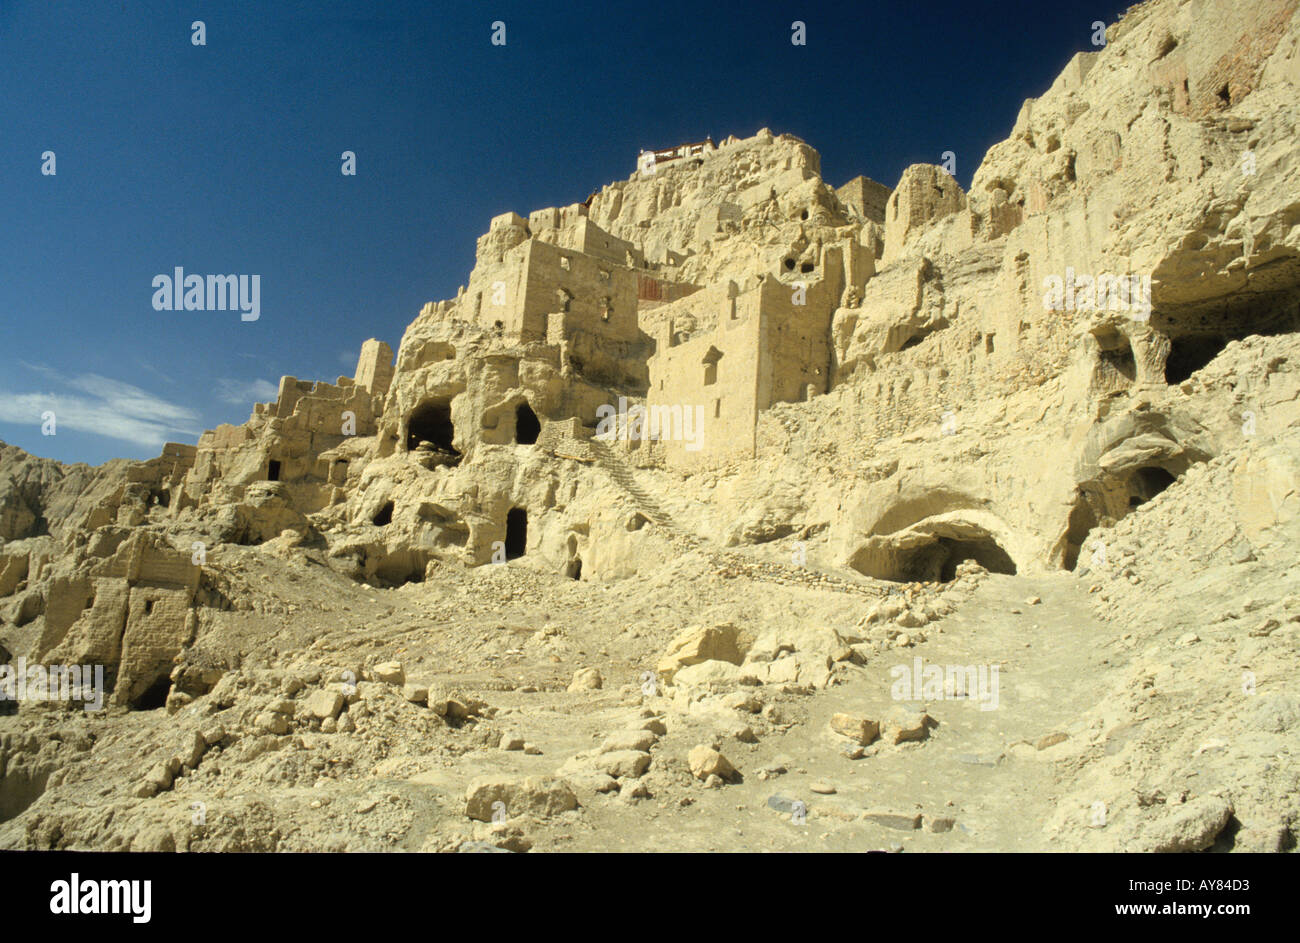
x: 939, y: 823
x: 539, y: 796
x: 902, y: 821
x: 861, y: 730
x: 623, y: 740
x: 586, y: 679
x: 324, y: 704
x: 1190, y: 827
x: 700, y: 643
x: 705, y: 761
x: 902, y: 725
x: 389, y: 672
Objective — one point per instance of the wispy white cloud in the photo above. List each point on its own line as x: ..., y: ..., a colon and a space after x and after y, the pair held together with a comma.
x: 92, y: 403
x: 246, y: 392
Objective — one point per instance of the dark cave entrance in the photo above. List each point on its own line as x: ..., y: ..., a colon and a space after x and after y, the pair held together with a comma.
x: 273, y: 471
x: 1191, y: 353
x: 431, y: 422
x: 516, y: 533
x: 1199, y: 332
x: 983, y: 550
x: 574, y: 569
x: 527, y: 426
x: 154, y: 697
x: 1146, y: 483
x: 936, y: 559
x: 384, y: 516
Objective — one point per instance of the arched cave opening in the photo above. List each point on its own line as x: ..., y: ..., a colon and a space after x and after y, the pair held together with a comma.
x: 574, y: 569
x: 1145, y: 483
x: 516, y: 533
x: 400, y: 568
x: 384, y: 516
x: 154, y: 696
x: 527, y: 426
x: 983, y: 550
x: 431, y: 422
x: 920, y: 558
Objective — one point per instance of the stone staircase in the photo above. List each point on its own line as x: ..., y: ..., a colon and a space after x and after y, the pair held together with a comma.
x: 613, y: 465
x: 570, y: 439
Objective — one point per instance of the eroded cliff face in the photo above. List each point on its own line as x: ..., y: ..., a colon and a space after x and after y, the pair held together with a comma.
x: 1081, y: 374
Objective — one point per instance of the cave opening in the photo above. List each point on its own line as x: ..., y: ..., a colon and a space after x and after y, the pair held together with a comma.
x: 1199, y: 333
x: 574, y: 570
x: 384, y: 516
x: 516, y: 533
x: 154, y: 696
x: 983, y: 550
x: 1146, y: 483
x: 934, y: 560
x: 1190, y: 353
x: 400, y: 568
x: 431, y: 423
x: 527, y: 426
x: 273, y: 470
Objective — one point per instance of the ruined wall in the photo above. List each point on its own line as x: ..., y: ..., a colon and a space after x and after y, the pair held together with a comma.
x: 865, y: 197
x: 794, y: 350
x: 290, y: 441
x: 374, y: 367
x: 925, y: 193
x: 714, y: 374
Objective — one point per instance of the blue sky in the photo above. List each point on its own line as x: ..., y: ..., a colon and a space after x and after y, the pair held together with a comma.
x: 225, y: 159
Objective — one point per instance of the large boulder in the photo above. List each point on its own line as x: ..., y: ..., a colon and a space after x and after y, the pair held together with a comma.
x: 533, y: 795
x: 701, y: 643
